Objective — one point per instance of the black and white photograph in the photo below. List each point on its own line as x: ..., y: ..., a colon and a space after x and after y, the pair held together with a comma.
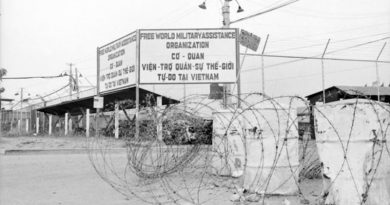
x: 194, y: 102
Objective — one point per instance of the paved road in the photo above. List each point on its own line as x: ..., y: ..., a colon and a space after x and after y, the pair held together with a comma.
x: 48, y: 179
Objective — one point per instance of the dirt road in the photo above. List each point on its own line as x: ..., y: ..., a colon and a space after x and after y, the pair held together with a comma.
x: 69, y: 178
x: 54, y: 179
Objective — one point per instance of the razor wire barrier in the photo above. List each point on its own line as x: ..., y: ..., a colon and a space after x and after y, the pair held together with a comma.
x: 254, y: 149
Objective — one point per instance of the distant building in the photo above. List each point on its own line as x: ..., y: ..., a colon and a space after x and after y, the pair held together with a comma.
x: 336, y: 93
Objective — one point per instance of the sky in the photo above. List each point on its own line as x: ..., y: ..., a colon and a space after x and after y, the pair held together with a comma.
x: 41, y: 37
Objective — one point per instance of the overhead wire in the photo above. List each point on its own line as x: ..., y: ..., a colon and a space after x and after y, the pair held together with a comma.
x: 32, y: 77
x: 319, y: 74
x: 332, y: 32
x: 358, y: 45
x: 332, y: 42
x: 264, y: 11
x: 63, y: 87
x: 317, y: 14
x: 316, y: 56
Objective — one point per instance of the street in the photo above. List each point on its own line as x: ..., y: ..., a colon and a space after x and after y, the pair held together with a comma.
x: 54, y: 179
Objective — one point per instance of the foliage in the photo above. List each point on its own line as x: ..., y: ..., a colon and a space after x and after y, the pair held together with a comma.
x: 3, y: 72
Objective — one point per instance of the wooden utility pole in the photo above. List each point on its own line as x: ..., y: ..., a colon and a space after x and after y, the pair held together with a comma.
x: 77, y: 83
x: 70, y: 80
x: 21, y: 107
x: 226, y: 24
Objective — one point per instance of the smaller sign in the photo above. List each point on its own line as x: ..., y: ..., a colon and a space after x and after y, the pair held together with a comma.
x: 249, y: 40
x: 98, y: 102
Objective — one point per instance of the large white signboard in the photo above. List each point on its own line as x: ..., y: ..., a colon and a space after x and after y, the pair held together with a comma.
x: 117, y: 64
x: 188, y: 56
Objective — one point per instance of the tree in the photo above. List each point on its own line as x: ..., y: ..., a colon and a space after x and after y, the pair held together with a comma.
x: 3, y: 72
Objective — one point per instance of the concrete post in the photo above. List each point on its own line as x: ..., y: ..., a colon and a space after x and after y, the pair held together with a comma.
x: 87, y: 123
x: 27, y: 125
x: 37, y: 126
x: 50, y: 124
x: 19, y: 124
x: 66, y: 124
x: 116, y: 122
x: 70, y: 124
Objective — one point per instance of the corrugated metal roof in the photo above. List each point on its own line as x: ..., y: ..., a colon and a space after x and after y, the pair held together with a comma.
x: 361, y: 90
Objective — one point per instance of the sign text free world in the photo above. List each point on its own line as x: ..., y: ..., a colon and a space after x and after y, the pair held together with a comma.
x: 188, y: 56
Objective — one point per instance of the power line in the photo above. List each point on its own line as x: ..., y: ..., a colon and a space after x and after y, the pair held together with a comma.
x: 318, y: 74
x: 85, y: 77
x: 358, y: 45
x: 32, y: 77
x: 333, y: 42
x: 300, y: 58
x: 16, y: 103
x: 51, y: 93
x: 264, y: 11
x: 333, y: 32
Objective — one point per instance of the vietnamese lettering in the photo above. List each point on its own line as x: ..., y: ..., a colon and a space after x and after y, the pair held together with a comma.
x: 195, y: 56
x: 166, y: 77
x: 183, y: 66
x: 149, y: 66
x: 116, y: 83
x: 228, y: 66
x: 184, y: 76
x: 205, y: 76
x: 117, y: 73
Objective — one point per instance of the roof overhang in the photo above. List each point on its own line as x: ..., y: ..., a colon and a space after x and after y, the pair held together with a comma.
x: 78, y: 106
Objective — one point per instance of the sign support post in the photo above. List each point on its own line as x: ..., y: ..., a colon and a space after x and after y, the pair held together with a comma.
x: 50, y: 124
x: 116, y: 122
x: 226, y: 24
x: 66, y: 123
x: 97, y: 92
x: 87, y: 123
x: 37, y: 126
x: 137, y: 86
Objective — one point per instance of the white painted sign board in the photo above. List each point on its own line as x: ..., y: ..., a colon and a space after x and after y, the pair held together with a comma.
x: 117, y: 64
x: 98, y: 102
x: 171, y: 56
